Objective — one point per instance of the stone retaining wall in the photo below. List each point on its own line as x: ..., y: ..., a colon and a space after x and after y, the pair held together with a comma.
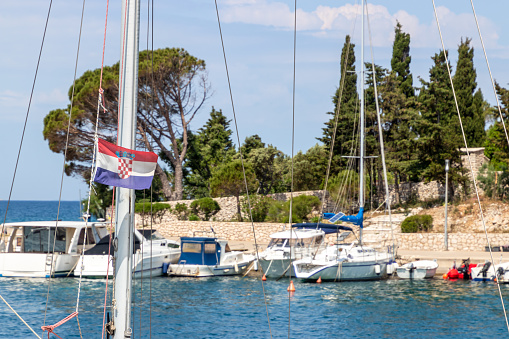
x: 242, y: 231
x: 456, y: 241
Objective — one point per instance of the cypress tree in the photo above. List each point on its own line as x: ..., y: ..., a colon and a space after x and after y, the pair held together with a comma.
x: 347, y: 109
x: 400, y: 62
x: 471, y: 103
x: 437, y: 140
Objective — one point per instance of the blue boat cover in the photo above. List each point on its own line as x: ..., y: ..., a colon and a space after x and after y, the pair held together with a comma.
x: 327, y: 228
x: 354, y: 219
x: 199, y: 251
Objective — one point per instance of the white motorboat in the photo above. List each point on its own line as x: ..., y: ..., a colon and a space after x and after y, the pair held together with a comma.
x: 146, y: 261
x: 488, y: 272
x: 207, y: 257
x: 289, y: 245
x: 43, y: 249
x: 421, y: 269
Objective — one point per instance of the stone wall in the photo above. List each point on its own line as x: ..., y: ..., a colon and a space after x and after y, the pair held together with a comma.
x: 456, y: 241
x: 434, y: 190
x: 243, y: 231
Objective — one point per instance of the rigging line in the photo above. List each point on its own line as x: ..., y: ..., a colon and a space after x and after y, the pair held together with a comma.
x: 338, y: 106
x: 380, y: 135
x: 489, y: 70
x: 151, y: 189
x: 242, y: 162
x: 63, y: 173
x: 469, y: 161
x: 26, y: 118
x: 293, y: 146
x: 20, y: 318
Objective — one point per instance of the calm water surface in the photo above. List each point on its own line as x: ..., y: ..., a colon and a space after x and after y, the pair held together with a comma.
x: 235, y: 307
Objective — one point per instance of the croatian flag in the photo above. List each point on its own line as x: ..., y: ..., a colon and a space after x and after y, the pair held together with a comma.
x: 122, y: 167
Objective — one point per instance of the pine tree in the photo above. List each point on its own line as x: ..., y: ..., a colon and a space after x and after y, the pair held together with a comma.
x: 471, y: 104
x: 400, y: 62
x: 347, y: 109
x: 210, y: 147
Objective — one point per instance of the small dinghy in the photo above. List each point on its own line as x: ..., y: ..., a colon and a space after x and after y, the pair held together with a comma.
x: 422, y: 269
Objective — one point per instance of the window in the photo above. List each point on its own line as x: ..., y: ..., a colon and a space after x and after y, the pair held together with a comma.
x: 40, y: 239
x: 277, y: 243
x: 189, y: 247
x: 210, y: 248
x: 172, y: 245
x: 90, y: 237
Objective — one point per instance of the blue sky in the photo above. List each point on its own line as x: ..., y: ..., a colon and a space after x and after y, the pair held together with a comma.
x: 258, y: 36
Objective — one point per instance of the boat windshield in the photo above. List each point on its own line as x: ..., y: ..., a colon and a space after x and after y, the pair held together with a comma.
x: 151, y: 234
x: 41, y: 239
x: 299, y: 243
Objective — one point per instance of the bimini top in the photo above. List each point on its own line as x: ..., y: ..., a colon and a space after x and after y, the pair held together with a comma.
x: 327, y: 228
x: 53, y: 223
x: 299, y: 233
x: 199, y: 251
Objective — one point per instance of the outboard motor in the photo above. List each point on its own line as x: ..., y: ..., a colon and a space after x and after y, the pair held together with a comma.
x: 464, y: 269
x: 484, y: 270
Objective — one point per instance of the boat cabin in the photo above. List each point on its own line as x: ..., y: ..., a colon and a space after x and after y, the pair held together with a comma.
x: 202, y: 250
x: 41, y: 236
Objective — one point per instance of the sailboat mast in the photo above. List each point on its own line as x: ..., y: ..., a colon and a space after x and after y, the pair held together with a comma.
x: 124, y: 216
x: 362, y: 141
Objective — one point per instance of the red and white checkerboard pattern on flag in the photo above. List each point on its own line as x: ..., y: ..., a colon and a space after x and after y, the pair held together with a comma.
x: 125, y: 167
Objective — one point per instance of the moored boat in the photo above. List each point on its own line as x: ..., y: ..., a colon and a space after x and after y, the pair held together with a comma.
x: 286, y: 246
x: 421, y: 269
x: 208, y: 257
x: 147, y: 261
x: 44, y: 249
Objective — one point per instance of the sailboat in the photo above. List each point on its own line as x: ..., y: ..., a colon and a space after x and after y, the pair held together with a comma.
x: 349, y: 261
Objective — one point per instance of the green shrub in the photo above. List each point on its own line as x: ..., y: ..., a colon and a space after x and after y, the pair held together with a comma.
x: 181, y: 211
x: 206, y: 206
x: 260, y: 205
x: 301, y: 208
x: 275, y: 211
x: 158, y: 209
x: 194, y: 217
x: 417, y: 223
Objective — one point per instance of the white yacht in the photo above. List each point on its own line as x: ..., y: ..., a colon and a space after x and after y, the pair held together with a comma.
x: 208, y: 257
x: 43, y: 249
x: 344, y: 262
x: 95, y: 263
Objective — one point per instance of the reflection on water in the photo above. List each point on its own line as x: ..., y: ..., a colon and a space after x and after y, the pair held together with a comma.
x: 234, y: 307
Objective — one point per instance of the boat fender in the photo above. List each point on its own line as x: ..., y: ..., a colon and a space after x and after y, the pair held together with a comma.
x: 377, y: 269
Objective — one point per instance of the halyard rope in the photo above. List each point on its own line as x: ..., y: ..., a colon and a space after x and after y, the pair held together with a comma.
x: 468, y: 155
x: 242, y: 160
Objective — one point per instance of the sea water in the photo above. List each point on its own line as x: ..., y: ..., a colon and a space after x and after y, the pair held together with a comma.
x: 236, y: 307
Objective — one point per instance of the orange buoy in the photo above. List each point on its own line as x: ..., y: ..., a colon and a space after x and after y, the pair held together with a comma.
x: 495, y: 279
x: 291, y: 288
x: 445, y: 276
x: 319, y: 281
x: 264, y: 278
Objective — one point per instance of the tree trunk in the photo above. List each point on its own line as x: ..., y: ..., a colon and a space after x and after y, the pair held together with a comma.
x: 238, y: 209
x: 179, y: 178
x: 165, y: 182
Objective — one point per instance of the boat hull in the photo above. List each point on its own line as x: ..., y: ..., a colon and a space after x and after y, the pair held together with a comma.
x: 95, y: 266
x: 417, y: 273
x: 37, y: 265
x: 198, y: 271
x: 277, y: 268
x: 342, y: 271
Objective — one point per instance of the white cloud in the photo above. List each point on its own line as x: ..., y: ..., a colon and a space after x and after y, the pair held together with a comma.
x: 55, y: 97
x: 325, y: 21
x: 11, y: 99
